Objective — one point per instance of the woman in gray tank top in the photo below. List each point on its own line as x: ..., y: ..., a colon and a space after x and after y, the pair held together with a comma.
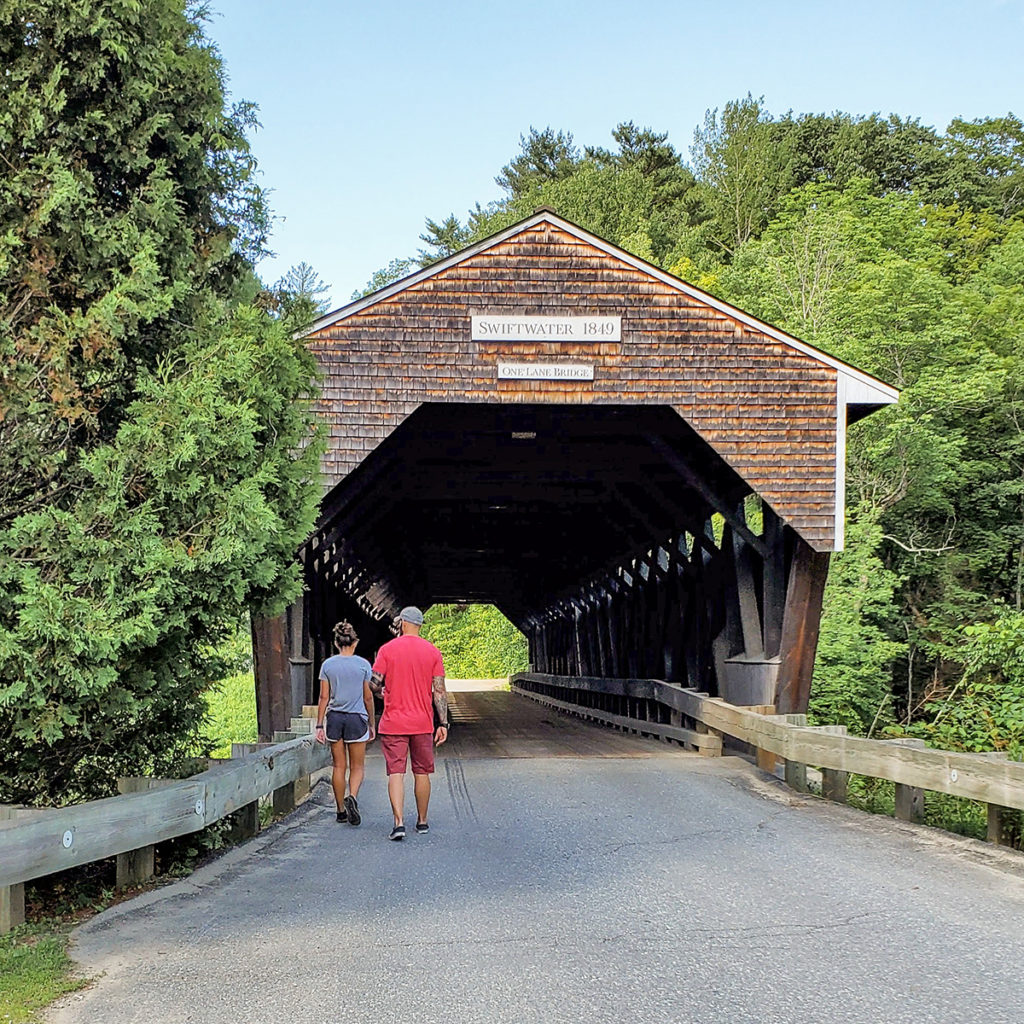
x: 345, y: 718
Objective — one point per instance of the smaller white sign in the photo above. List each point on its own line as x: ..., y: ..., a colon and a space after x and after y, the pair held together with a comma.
x: 546, y: 328
x: 545, y: 371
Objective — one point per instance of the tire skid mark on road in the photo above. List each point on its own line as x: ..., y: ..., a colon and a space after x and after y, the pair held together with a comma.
x: 458, y: 790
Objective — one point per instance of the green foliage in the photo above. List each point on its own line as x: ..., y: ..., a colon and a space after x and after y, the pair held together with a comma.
x: 394, y: 271
x: 855, y: 654
x: 191, y: 515
x: 743, y: 162
x: 157, y: 463
x: 991, y: 151
x: 544, y: 156
x: 477, y: 641
x: 300, y: 295
x: 442, y: 240
x: 876, y: 796
x: 955, y: 814
x: 231, y: 713
x: 34, y: 970
x: 182, y: 855
x: 127, y: 197
x: 985, y: 710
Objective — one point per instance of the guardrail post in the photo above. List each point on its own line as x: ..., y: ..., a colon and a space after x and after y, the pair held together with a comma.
x: 909, y: 804
x: 12, y: 897
x: 909, y: 800
x: 245, y: 822
x: 795, y: 772
x: 284, y: 798
x: 137, y: 867
x: 796, y: 776
x: 709, y: 741
x: 834, y: 784
x: 766, y: 760
x: 1002, y: 824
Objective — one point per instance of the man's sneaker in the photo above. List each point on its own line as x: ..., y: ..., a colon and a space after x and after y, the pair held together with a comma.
x: 422, y: 828
x: 353, y: 810
x: 341, y: 817
x: 398, y: 832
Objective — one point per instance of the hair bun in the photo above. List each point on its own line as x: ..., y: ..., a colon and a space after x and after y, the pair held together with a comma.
x: 345, y: 634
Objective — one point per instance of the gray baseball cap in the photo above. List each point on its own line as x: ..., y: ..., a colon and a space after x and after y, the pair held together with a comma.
x: 411, y: 614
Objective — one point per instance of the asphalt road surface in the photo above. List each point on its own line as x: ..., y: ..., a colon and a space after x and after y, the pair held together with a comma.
x: 572, y: 874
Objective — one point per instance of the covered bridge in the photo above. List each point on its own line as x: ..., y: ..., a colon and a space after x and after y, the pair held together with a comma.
x: 646, y: 480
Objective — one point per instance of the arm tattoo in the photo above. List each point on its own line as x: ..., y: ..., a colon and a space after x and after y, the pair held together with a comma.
x: 377, y: 683
x: 441, y: 700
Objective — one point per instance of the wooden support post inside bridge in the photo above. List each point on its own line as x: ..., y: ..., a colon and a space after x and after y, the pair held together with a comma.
x: 645, y: 480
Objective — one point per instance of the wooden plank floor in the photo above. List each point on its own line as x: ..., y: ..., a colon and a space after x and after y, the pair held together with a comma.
x: 498, y: 723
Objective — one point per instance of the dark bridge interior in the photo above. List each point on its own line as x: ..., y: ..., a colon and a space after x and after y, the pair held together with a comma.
x: 614, y: 537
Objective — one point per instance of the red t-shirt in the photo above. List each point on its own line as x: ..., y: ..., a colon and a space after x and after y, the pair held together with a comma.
x: 408, y: 665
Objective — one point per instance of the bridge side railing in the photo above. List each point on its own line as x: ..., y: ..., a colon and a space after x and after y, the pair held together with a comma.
x: 656, y: 708
x: 34, y: 843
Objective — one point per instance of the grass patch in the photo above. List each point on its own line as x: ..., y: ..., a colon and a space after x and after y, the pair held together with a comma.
x: 231, y: 706
x: 34, y: 970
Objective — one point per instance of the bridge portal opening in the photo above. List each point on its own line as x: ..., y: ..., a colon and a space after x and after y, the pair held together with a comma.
x: 613, y: 537
x: 478, y: 641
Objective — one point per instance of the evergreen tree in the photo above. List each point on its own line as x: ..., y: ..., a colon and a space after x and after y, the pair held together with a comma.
x: 300, y: 296
x: 544, y: 156
x: 442, y: 240
x: 157, y: 463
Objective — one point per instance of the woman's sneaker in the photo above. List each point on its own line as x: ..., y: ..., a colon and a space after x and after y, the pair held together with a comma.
x: 397, y: 833
x: 341, y: 817
x: 353, y: 810
x: 422, y: 828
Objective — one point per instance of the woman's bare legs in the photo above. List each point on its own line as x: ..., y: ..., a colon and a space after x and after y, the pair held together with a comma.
x: 338, y: 775
x: 357, y: 765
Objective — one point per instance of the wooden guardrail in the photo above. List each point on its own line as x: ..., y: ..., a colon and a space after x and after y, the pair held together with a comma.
x: 656, y: 708
x: 34, y: 843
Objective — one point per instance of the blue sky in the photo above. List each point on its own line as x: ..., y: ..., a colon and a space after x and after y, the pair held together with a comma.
x: 377, y: 115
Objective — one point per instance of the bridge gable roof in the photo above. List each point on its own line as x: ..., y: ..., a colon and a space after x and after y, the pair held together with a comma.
x: 774, y: 408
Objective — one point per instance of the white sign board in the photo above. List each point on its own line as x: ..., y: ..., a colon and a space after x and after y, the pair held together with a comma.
x: 546, y: 328
x: 545, y: 371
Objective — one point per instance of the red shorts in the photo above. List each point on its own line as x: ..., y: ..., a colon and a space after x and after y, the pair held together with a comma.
x: 398, y: 748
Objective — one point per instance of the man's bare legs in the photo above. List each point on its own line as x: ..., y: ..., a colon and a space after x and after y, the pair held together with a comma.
x: 421, y: 786
x: 396, y: 794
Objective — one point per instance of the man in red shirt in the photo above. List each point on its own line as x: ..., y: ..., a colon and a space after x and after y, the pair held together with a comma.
x: 409, y: 672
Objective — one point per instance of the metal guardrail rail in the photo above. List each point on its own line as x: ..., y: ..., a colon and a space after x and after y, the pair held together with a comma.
x: 657, y: 708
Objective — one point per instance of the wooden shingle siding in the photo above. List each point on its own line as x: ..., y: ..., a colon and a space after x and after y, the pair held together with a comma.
x: 768, y: 409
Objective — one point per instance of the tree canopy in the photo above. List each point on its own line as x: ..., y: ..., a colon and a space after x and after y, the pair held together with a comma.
x: 899, y: 248
x: 158, y: 466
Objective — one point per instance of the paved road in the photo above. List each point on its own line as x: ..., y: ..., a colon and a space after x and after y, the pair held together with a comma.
x: 649, y: 886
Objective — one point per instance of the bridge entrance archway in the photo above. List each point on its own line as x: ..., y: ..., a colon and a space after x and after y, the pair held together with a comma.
x: 645, y: 480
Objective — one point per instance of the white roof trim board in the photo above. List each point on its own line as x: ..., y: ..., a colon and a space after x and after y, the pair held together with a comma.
x: 860, y: 388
